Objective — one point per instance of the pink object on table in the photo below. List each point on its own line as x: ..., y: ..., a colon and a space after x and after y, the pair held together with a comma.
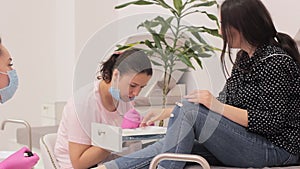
x: 132, y: 119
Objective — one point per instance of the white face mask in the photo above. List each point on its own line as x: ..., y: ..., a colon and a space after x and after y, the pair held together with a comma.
x: 7, y: 92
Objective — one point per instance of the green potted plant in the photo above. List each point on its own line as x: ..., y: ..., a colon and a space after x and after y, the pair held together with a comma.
x: 172, y: 41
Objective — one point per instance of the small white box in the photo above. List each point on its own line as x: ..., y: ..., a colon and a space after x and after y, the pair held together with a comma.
x: 112, y: 137
x: 107, y: 136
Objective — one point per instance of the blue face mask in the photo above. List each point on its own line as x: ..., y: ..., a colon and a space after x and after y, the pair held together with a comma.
x: 115, y: 93
x: 7, y: 92
x: 114, y: 89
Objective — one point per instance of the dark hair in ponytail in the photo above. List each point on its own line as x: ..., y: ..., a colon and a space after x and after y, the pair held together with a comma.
x: 131, y: 61
x: 289, y: 45
x: 252, y: 19
x: 106, y: 70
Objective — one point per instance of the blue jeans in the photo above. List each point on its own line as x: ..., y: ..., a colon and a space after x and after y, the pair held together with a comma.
x: 194, y: 129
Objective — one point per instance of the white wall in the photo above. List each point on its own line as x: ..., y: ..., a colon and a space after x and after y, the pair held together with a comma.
x: 285, y: 15
x: 65, y: 49
x: 40, y: 37
x: 45, y: 38
x: 27, y: 29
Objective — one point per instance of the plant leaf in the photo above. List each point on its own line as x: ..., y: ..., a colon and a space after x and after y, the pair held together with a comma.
x: 165, y: 5
x: 214, y: 32
x: 212, y: 17
x: 178, y: 5
x: 196, y: 34
x: 156, y: 63
x: 204, y: 55
x: 127, y: 46
x: 183, y: 70
x: 207, y: 4
x: 149, y: 44
x: 165, y: 24
x: 139, y: 2
x: 157, y: 40
x: 148, y: 25
x: 151, y: 47
x: 194, y: 29
x: 186, y: 61
x: 198, y: 61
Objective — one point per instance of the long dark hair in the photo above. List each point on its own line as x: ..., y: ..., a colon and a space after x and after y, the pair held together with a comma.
x: 252, y: 19
x: 131, y: 61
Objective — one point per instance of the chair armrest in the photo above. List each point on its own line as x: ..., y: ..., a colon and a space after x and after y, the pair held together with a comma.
x: 179, y: 157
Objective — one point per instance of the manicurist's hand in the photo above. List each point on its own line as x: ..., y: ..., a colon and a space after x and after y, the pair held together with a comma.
x: 18, y: 160
x: 155, y: 115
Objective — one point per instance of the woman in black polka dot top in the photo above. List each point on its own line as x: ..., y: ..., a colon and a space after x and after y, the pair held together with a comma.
x: 255, y: 120
x: 265, y: 80
x: 260, y: 103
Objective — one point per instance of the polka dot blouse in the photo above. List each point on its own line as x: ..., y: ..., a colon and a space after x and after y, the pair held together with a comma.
x: 267, y: 85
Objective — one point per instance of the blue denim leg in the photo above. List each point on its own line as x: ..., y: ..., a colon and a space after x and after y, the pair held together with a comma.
x: 180, y: 137
x: 229, y: 142
x: 137, y: 160
x: 210, y: 158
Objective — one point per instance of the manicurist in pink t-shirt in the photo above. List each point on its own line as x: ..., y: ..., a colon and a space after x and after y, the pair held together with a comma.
x: 104, y: 101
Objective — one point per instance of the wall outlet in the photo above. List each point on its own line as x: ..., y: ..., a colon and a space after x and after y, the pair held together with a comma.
x: 51, y: 112
x: 48, y: 110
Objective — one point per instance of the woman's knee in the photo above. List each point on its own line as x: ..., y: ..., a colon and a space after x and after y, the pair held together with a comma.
x: 186, y: 111
x: 193, y: 109
x: 188, y: 107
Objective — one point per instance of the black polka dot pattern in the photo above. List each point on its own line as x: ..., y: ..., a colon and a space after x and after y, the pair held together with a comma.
x: 267, y: 85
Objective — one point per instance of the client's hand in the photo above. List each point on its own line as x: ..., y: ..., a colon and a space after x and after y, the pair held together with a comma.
x: 18, y: 160
x: 155, y: 115
x: 207, y: 99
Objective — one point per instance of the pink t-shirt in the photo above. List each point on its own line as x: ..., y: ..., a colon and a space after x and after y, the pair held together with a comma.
x: 80, y: 111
